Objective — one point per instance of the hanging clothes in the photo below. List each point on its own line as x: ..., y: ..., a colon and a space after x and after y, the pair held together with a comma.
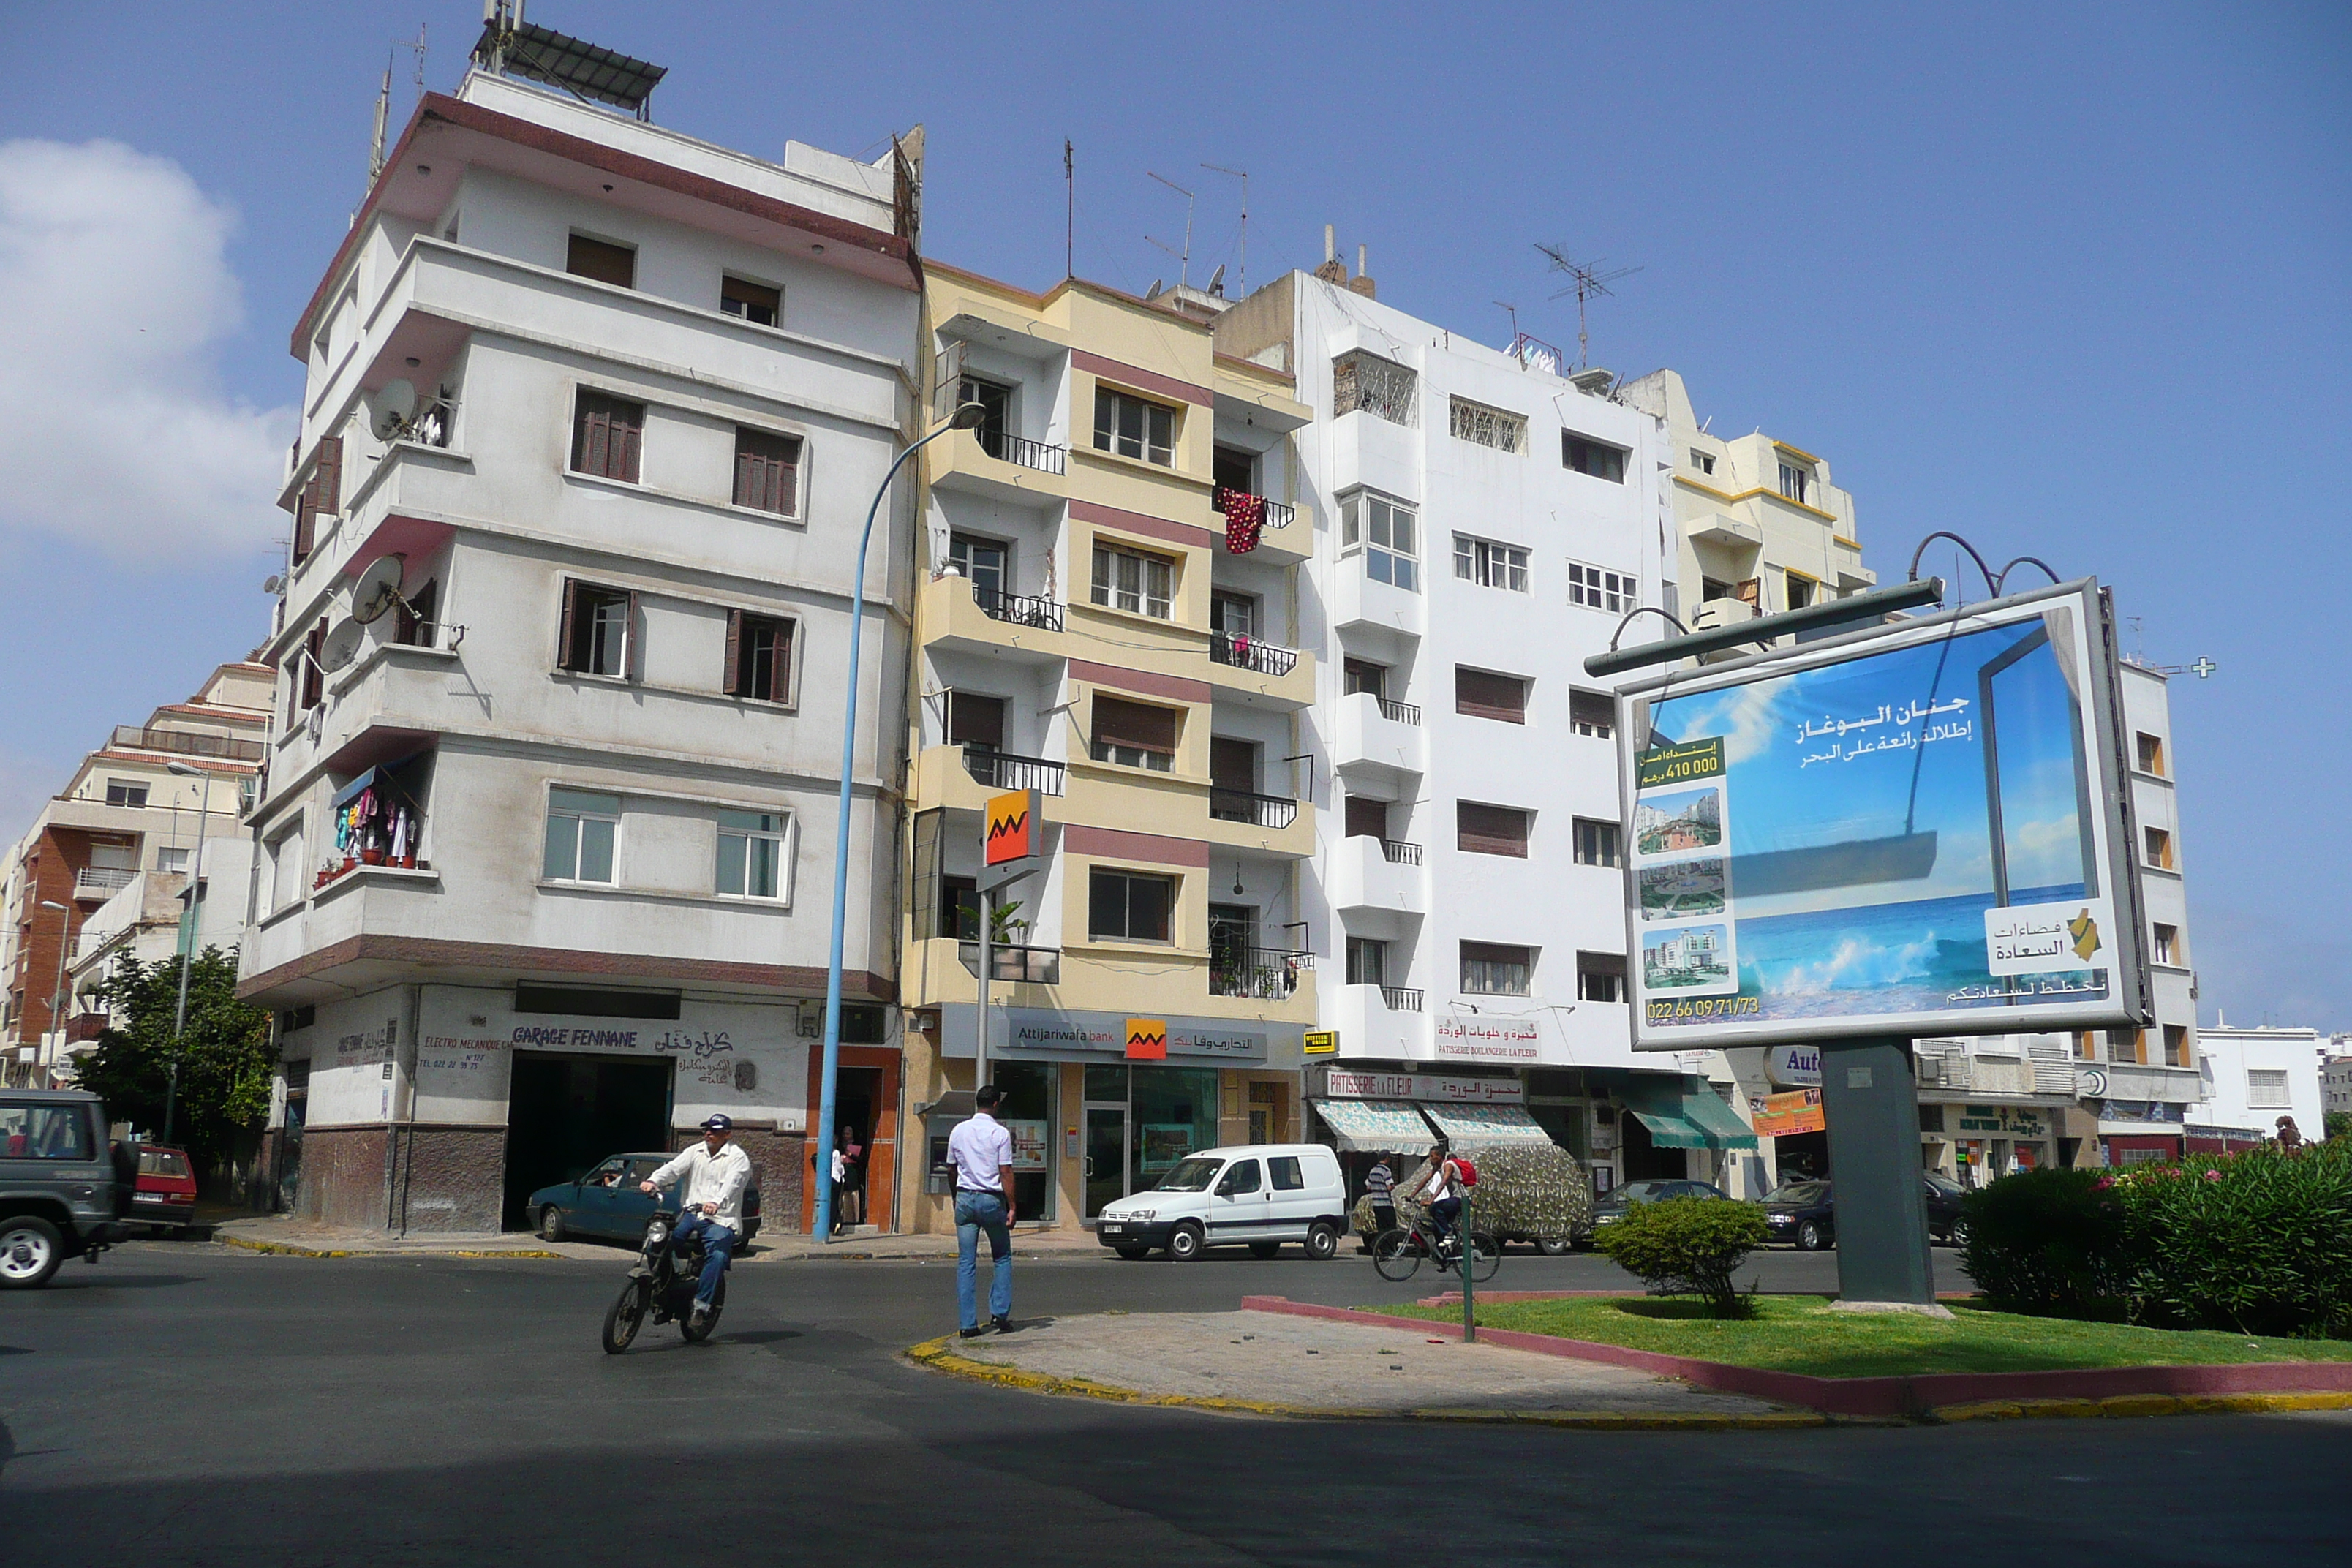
x: 1245, y: 520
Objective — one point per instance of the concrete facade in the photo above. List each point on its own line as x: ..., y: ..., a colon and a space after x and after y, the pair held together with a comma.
x: 2252, y: 1078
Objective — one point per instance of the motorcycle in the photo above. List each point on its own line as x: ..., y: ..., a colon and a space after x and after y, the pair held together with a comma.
x: 662, y: 1287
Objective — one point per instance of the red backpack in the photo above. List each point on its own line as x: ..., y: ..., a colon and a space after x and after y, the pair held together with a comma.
x: 1469, y: 1172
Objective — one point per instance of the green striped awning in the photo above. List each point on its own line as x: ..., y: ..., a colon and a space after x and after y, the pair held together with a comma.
x: 1685, y: 1113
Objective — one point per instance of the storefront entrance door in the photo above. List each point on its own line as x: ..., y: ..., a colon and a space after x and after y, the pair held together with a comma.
x: 1106, y: 1156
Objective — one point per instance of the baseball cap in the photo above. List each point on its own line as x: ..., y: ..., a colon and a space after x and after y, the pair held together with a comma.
x: 719, y: 1121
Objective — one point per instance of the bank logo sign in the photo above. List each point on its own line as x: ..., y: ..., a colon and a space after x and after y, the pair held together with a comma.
x: 1147, y: 1039
x: 1017, y: 828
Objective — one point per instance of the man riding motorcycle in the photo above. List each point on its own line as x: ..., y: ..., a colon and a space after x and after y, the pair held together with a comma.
x: 716, y: 1173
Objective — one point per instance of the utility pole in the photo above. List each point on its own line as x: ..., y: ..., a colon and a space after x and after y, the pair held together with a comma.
x: 190, y: 928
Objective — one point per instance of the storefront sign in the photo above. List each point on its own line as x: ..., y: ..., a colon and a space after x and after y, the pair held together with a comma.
x: 1496, y: 1039
x: 1798, y: 1110
x: 1321, y: 1043
x: 1341, y: 1085
x: 1793, y: 1067
x: 1041, y: 1033
x: 2013, y: 1121
x: 1147, y: 1039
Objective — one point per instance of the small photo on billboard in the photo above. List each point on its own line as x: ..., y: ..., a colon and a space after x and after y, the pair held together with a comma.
x: 1681, y: 890
x: 1672, y: 823
x: 1694, y: 960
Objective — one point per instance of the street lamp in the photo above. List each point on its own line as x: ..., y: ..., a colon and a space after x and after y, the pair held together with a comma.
x: 968, y: 416
x: 58, y: 996
x: 191, y: 931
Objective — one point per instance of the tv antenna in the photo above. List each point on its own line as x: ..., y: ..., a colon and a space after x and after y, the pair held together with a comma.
x: 383, y: 95
x: 1513, y: 312
x: 1184, y: 257
x: 1243, y: 268
x: 1587, y: 280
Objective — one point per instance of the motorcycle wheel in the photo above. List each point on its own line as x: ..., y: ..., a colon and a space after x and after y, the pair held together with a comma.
x: 696, y: 1335
x: 624, y: 1317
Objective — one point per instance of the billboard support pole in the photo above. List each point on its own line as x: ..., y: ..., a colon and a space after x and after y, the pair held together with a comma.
x: 1872, y: 1104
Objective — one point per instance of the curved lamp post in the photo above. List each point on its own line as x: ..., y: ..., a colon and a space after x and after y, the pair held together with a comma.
x: 44, y: 1053
x: 966, y: 418
x: 194, y: 928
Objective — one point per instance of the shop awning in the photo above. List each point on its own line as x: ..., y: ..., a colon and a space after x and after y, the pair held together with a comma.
x: 1484, y: 1124
x: 1684, y: 1113
x: 1376, y: 1126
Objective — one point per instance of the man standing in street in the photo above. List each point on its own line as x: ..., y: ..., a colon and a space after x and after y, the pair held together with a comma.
x: 716, y: 1173
x: 981, y: 1150
x: 1380, y: 1186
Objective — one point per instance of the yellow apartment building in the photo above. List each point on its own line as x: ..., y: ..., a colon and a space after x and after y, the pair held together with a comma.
x: 1107, y: 611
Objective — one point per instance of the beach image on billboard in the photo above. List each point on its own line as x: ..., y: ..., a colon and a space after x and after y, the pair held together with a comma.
x: 1672, y: 823
x: 1910, y: 833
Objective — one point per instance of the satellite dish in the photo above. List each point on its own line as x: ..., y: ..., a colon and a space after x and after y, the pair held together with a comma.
x: 343, y: 646
x: 378, y: 588
x: 271, y: 584
x: 390, y: 407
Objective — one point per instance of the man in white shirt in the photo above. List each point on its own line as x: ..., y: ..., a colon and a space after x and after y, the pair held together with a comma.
x: 716, y: 1173
x: 981, y: 1150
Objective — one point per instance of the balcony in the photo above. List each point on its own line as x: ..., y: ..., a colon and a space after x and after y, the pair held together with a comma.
x: 1264, y: 974
x: 186, y: 744
x: 1382, y: 1023
x: 1723, y: 529
x: 1728, y: 612
x: 1246, y: 805
x: 949, y: 612
x: 1371, y: 874
x: 1251, y: 653
x: 1019, y: 609
x: 992, y: 769
x: 1379, y: 740
x: 101, y: 882
x: 1358, y: 602
x: 1021, y: 965
x: 1276, y: 537
x: 1023, y: 453
x: 1260, y: 673
x: 1001, y: 466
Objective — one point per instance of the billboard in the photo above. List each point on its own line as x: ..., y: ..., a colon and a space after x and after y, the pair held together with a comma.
x: 1916, y: 829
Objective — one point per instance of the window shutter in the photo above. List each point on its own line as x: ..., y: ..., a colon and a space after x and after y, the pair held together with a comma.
x: 1491, y: 829
x: 594, y: 435
x: 565, y: 655
x: 306, y: 520
x: 1485, y: 695
x: 779, y: 674
x: 731, y: 682
x: 748, y: 474
x: 329, y: 474
x: 628, y: 426
x: 633, y: 659
x: 1135, y: 724
x: 314, y: 681
x: 947, y: 379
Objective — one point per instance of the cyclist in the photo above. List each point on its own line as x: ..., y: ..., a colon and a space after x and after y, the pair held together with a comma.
x: 1441, y: 1191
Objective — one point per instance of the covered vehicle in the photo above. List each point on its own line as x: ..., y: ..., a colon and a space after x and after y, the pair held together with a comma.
x: 64, y: 1187
x: 1526, y: 1191
x: 606, y: 1203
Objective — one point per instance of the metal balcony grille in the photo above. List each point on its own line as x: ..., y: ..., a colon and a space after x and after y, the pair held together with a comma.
x: 1268, y: 973
x: 1399, y: 853
x: 1018, y: 609
x: 1029, y: 965
x: 1002, y: 770
x: 1021, y: 450
x: 1261, y: 810
x: 1398, y: 712
x: 1401, y: 999
x: 1249, y: 653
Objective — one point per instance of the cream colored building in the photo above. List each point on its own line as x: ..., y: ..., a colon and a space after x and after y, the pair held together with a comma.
x: 1086, y: 625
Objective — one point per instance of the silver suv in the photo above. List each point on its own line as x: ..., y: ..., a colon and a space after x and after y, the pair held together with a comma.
x: 62, y: 1187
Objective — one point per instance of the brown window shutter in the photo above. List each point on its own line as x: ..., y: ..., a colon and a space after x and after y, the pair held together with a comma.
x: 780, y: 675
x: 314, y: 680
x: 633, y: 650
x: 1135, y: 724
x: 747, y: 475
x: 765, y: 470
x: 628, y: 426
x: 1485, y: 695
x: 1491, y: 829
x: 592, y: 434
x: 566, y: 656
x: 601, y: 260
x: 732, y: 682
x: 330, y: 474
x: 306, y: 520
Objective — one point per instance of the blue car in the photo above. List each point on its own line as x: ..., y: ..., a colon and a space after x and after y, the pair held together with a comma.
x: 606, y: 1201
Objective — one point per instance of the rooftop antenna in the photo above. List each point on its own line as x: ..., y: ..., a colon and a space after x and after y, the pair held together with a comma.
x: 1069, y: 210
x: 1588, y: 281
x: 1513, y: 312
x: 1183, y: 256
x: 1243, y: 175
x: 383, y: 109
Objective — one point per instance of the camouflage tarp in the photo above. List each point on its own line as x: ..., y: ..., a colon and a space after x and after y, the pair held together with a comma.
x: 1526, y: 1192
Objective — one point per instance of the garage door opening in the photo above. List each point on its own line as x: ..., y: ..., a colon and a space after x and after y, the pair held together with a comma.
x: 566, y: 1113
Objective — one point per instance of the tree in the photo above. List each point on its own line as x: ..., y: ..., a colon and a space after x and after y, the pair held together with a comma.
x: 2339, y: 1124
x: 224, y: 1058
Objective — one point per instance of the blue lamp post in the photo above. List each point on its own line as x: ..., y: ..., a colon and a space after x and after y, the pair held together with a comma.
x: 966, y: 418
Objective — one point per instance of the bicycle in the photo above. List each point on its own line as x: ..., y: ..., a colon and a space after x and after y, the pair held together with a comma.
x: 1397, y: 1253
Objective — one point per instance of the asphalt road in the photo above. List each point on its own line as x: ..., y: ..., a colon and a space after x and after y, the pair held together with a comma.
x: 181, y: 1404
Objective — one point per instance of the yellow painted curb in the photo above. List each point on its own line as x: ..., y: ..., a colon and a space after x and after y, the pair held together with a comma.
x: 287, y: 1250
x: 2127, y: 1404
x: 937, y: 1356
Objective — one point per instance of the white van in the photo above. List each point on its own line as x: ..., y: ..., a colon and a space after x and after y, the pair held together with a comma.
x: 1258, y: 1196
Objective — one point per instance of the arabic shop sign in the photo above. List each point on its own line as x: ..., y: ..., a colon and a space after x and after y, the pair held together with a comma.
x: 2008, y: 1121
x: 1344, y: 1085
x: 1502, y: 1039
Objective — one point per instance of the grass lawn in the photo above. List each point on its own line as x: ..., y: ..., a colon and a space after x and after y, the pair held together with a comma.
x: 1799, y: 1333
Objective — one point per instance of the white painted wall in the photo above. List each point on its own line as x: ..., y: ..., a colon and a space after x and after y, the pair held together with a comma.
x: 2225, y: 1057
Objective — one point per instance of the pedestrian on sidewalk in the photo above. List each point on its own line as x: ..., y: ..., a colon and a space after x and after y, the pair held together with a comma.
x: 850, y: 1201
x: 981, y: 1150
x: 1380, y: 1186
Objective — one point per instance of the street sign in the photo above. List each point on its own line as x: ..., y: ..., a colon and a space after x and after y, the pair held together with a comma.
x: 1321, y: 1042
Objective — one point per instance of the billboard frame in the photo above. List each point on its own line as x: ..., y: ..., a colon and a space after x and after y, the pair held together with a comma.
x: 2108, y: 763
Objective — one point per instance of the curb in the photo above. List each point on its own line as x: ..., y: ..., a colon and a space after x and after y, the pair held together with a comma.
x: 288, y: 1249
x: 2127, y: 1404
x: 937, y: 1356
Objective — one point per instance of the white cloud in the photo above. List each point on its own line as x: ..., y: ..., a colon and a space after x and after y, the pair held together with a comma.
x: 114, y: 290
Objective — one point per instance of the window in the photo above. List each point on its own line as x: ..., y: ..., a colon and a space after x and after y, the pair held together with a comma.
x: 606, y: 433
x: 1795, y: 482
x: 960, y: 908
x: 2265, y: 1087
x: 754, y: 303
x: 1365, y: 818
x: 2151, y: 754
x: 750, y: 853
x: 1134, y: 429
x: 321, y: 495
x: 1801, y: 590
x: 413, y: 623
x: 767, y: 471
x: 1483, y: 426
x: 974, y: 719
x: 1128, y: 906
x: 286, y: 868
x: 1235, y: 615
x: 2168, y: 944
x: 1240, y: 1177
x: 982, y: 562
x: 170, y: 859
x: 1490, y: 969
x: 1387, y: 532
x: 314, y: 673
x: 1600, y: 977
x: 1491, y: 829
x: 2160, y: 848
x: 1490, y: 565
x: 581, y: 832
x: 595, y: 637
x: 1364, y: 675
x: 1381, y: 387
x: 1598, y: 458
x: 1366, y: 961
x: 995, y: 401
x: 1284, y: 1168
x: 1232, y: 468
x: 759, y: 657
x: 1592, y: 713
x: 1596, y: 842
x: 603, y: 261
x: 1134, y: 734
x: 32, y: 1131
x: 125, y: 792
x: 1602, y: 590
x: 1483, y: 694
x: 1131, y: 580
x: 1703, y: 461
x: 2087, y: 1048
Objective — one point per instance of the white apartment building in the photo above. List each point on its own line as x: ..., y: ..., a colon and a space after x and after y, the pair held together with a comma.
x: 2252, y: 1078
x: 546, y: 855
x: 1481, y: 527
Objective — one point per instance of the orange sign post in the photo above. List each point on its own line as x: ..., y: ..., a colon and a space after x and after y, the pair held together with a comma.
x: 1012, y: 846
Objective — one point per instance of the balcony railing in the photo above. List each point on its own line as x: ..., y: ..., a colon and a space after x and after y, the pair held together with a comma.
x: 1398, y: 712
x: 1274, y: 514
x: 101, y: 882
x: 1018, y: 609
x: 1249, y: 653
x: 1268, y: 973
x: 186, y: 742
x: 1260, y: 810
x: 1002, y: 770
x: 1399, y: 853
x: 1401, y: 999
x: 1029, y: 965
x: 1023, y: 452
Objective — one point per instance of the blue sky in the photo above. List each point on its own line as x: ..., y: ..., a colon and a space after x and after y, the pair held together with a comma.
x: 2067, y: 280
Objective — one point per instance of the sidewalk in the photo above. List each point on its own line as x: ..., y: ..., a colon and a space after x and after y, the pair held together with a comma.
x: 303, y: 1238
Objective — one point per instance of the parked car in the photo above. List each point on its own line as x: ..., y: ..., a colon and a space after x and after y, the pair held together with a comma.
x: 1611, y: 1206
x: 165, y: 1192
x: 1803, y: 1212
x: 606, y: 1201
x: 64, y: 1189
x: 1258, y: 1196
x: 1537, y: 1193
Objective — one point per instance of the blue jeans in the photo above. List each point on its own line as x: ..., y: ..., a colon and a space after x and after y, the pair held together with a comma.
x: 1443, y: 1214
x: 976, y: 1212
x: 718, y: 1246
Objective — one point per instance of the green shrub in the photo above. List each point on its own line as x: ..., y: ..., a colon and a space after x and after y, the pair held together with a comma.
x: 2260, y: 1242
x: 2049, y: 1241
x: 1687, y: 1246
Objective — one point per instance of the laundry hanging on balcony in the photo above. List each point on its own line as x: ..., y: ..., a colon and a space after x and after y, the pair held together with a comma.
x: 1245, y: 520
